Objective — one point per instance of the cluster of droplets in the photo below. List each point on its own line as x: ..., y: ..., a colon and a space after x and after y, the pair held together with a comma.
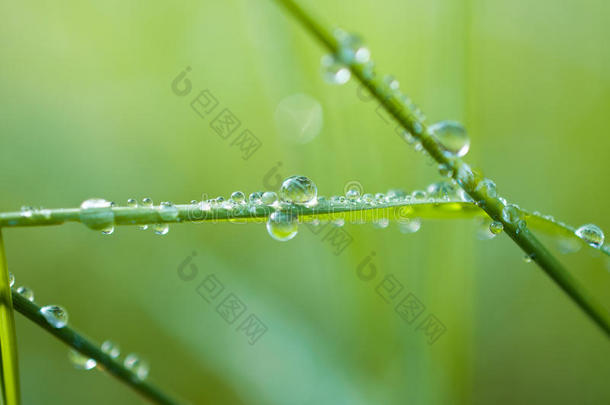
x: 139, y: 367
x: 25, y: 292
x: 351, y: 52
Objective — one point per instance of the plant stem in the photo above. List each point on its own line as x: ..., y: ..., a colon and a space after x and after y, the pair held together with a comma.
x: 493, y: 207
x: 8, y: 340
x: 91, y: 350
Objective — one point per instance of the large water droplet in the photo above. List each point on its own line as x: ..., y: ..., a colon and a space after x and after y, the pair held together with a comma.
x: 591, y: 234
x: 26, y: 293
x: 137, y: 366
x: 298, y: 190
x: 333, y: 71
x: 96, y: 213
x: 55, y: 315
x: 282, y: 226
x: 452, y: 138
x: 111, y: 349
x: 81, y: 362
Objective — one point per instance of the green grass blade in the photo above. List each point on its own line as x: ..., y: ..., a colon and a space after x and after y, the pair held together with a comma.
x: 9, y: 371
x: 492, y: 205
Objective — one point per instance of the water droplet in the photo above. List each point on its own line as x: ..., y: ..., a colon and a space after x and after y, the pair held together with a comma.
x: 238, y: 197
x: 496, y: 227
x: 132, y: 203
x: 513, y: 215
x: 409, y: 226
x: 465, y: 177
x: 452, y: 138
x: 111, y: 349
x: 351, y: 48
x: 81, y: 362
x: 168, y: 211
x: 27, y: 212
x: 381, y: 223
x: 282, y: 226
x: 419, y: 195
x: 528, y: 258
x: 26, y: 293
x: 442, y: 190
x: 391, y: 82
x: 269, y: 197
x: 591, y: 234
x: 137, y: 366
x: 96, y: 213
x: 487, y: 188
x: 380, y: 197
x: 161, y: 229
x: 395, y: 195
x: 255, y: 198
x: 368, y: 198
x: 298, y: 190
x: 299, y: 118
x: 445, y: 170
x: 11, y: 279
x: 333, y: 71
x: 55, y: 315
x: 147, y: 203
x: 352, y: 194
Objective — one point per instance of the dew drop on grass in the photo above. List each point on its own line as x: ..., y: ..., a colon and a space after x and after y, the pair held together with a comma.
x: 81, y: 362
x: 147, y: 203
x: 445, y: 170
x: 380, y: 198
x: 27, y: 212
x: 11, y: 279
x: 161, y: 229
x: 333, y: 71
x: 238, y: 197
x: 255, y: 197
x: 419, y: 195
x: 132, y: 203
x: 381, y: 223
x: 452, y: 138
x: 298, y: 190
x: 168, y: 211
x: 137, y: 366
x: 96, y: 213
x: 282, y: 226
x: 442, y: 190
x: 352, y: 194
x: 591, y: 234
x: 55, y: 315
x: 368, y: 198
x: 269, y: 197
x: 496, y: 227
x: 487, y: 188
x: 391, y: 82
x: 111, y: 349
x: 513, y: 215
x: 26, y: 293
x: 528, y: 258
x: 351, y: 48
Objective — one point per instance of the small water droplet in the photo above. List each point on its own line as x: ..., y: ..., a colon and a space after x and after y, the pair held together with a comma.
x: 96, y: 213
x: 496, y: 227
x: 147, y: 203
x: 368, y: 198
x: 161, y: 229
x: 27, y: 212
x: 11, y: 279
x: 528, y: 258
x: 395, y: 195
x: 591, y: 234
x: 445, y: 170
x: 132, y: 203
x: 380, y: 197
x: 419, y: 195
x: 111, y: 349
x: 381, y: 223
x: 298, y: 190
x: 487, y: 188
x: 269, y: 197
x: 26, y: 293
x: 452, y: 138
x: 238, y: 197
x: 409, y: 226
x: 442, y: 190
x: 391, y: 82
x: 465, y: 177
x: 255, y: 198
x: 353, y: 194
x: 168, y: 211
x: 282, y: 226
x: 351, y: 48
x: 137, y: 366
x: 333, y: 71
x: 81, y: 362
x: 55, y: 315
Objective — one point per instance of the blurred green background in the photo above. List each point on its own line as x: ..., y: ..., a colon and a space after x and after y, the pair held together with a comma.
x: 87, y: 111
